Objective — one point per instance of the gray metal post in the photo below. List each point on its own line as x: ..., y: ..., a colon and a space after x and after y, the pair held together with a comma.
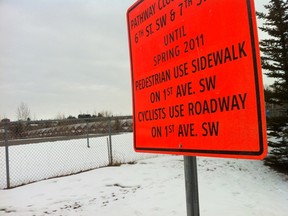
x: 191, y: 184
x: 108, y: 149
x: 110, y: 141
x: 7, y: 156
x: 87, y: 130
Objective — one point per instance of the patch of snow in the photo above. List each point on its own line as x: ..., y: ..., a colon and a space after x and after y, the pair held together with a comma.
x: 155, y: 187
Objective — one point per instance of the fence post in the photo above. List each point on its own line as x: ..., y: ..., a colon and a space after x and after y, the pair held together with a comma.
x: 87, y: 130
x: 108, y: 149
x: 7, y: 156
x: 110, y: 140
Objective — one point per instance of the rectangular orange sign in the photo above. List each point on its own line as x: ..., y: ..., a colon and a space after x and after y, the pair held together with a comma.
x: 196, y: 78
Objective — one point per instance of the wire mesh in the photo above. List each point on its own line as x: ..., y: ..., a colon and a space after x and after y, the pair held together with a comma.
x: 46, y: 149
x: 123, y: 151
x: 3, y: 159
x: 3, y: 182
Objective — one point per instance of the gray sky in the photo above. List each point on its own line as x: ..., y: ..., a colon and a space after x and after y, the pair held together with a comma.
x: 65, y: 56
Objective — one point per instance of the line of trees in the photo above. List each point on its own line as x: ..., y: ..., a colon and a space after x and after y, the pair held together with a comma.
x: 23, y: 113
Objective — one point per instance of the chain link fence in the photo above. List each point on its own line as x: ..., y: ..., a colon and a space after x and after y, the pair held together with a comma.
x: 36, y: 150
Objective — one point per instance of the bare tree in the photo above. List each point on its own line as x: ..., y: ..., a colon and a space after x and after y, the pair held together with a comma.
x: 23, y: 112
x: 60, y: 116
x: 105, y: 113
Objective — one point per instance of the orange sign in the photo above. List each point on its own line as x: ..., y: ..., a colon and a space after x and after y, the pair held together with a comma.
x: 196, y: 78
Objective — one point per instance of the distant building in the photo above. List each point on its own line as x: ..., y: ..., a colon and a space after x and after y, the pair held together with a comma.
x: 5, y: 120
x: 83, y: 116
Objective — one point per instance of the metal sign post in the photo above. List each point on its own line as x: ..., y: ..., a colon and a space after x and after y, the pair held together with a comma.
x: 191, y: 185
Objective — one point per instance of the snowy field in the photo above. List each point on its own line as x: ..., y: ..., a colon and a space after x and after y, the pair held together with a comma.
x: 155, y: 187
x: 34, y: 162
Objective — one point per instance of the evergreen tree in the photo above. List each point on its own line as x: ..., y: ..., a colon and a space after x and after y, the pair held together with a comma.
x: 275, y: 62
x: 278, y: 143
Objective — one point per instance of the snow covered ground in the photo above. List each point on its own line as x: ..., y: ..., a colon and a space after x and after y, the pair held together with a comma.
x: 155, y: 187
x: 34, y: 162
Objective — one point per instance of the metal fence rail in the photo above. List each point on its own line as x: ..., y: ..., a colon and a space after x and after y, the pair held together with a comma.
x: 36, y: 150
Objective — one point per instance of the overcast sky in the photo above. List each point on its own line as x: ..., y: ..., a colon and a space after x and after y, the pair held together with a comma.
x: 65, y: 57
